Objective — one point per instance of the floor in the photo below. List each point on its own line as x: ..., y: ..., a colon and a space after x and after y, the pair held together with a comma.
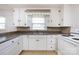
x: 38, y: 53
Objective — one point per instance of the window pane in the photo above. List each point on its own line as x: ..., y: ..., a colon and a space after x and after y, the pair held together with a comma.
x: 2, y: 26
x: 2, y: 20
x: 38, y: 26
x: 38, y: 20
x: 35, y: 28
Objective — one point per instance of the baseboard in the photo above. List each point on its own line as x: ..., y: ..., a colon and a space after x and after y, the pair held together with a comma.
x: 38, y: 50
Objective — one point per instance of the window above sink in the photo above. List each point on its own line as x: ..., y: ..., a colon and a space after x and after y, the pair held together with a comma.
x: 38, y: 19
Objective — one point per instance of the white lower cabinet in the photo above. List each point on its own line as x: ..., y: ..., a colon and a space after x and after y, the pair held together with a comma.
x: 60, y: 45
x: 39, y: 42
x: 25, y: 42
x: 20, y: 44
x: 11, y: 47
x: 28, y: 42
x: 51, y: 42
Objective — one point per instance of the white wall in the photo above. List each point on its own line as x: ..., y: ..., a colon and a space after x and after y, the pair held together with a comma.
x: 66, y: 16
x: 75, y: 15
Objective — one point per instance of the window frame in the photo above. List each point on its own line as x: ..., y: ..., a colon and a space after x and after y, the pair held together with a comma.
x: 42, y: 28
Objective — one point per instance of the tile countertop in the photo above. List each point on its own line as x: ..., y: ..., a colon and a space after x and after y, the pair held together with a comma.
x: 8, y: 36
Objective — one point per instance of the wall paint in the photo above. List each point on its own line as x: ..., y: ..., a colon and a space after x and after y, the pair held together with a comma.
x: 75, y: 15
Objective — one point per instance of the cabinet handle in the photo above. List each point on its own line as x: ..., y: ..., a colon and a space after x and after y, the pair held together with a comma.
x: 51, y: 40
x: 13, y: 10
x: 18, y: 43
x: 12, y: 41
x: 19, y: 20
x: 37, y: 40
x: 51, y: 21
x: 24, y: 24
x: 58, y: 24
x: 59, y: 11
x: 51, y: 46
x: 62, y: 19
x: 13, y: 24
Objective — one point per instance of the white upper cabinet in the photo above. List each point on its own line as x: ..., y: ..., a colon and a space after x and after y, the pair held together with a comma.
x: 59, y: 17
x: 6, y: 20
x: 19, y: 17
x: 54, y: 20
x: 16, y: 16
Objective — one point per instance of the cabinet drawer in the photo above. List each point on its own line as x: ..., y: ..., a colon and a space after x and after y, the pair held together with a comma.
x: 50, y: 47
x: 51, y: 43
x: 50, y: 40
x: 49, y: 36
x: 32, y: 36
x: 6, y: 46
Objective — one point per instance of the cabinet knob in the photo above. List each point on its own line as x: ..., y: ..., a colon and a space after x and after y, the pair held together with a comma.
x: 51, y: 40
x: 62, y: 19
x: 13, y: 24
x: 19, y: 20
x: 58, y: 24
x: 24, y: 24
x: 59, y: 11
x: 18, y: 43
x: 37, y: 40
x: 12, y: 41
x: 13, y: 10
x: 51, y: 46
x: 51, y: 21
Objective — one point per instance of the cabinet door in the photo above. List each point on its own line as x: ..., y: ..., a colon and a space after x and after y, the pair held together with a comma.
x: 12, y: 49
x: 51, y: 42
x: 9, y: 21
x: 37, y: 42
x: 20, y: 44
x: 15, y: 46
x: 16, y: 16
x: 25, y: 42
x: 55, y: 17
x: 20, y: 17
x: 60, y: 44
x: 41, y: 43
x: 33, y: 44
x: 9, y: 47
